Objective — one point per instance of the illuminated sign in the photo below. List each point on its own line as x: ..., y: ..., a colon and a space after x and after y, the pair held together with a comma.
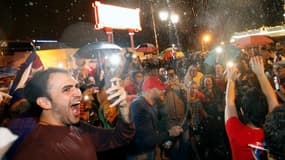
x: 110, y: 16
x: 276, y: 31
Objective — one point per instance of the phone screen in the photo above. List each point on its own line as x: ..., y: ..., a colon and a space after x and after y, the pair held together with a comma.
x: 276, y: 83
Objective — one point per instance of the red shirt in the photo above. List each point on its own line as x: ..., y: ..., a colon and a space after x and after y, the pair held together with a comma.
x: 240, y: 135
x: 47, y: 142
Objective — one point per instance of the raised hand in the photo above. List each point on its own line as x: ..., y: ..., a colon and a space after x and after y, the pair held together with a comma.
x: 118, y: 97
x: 256, y: 64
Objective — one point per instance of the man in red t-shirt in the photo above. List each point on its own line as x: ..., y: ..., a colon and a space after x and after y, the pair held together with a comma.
x: 253, y: 111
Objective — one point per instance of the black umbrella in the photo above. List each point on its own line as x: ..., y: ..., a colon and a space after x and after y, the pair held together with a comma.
x: 97, y: 49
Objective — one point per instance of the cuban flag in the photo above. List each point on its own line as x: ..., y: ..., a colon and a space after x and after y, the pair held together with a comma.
x: 32, y: 63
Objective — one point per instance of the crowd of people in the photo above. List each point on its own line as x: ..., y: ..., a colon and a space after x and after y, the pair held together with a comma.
x: 152, y: 109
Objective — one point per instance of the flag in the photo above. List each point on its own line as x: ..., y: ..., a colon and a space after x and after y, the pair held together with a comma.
x: 25, y: 70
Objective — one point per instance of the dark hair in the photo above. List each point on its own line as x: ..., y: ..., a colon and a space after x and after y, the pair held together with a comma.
x: 274, y: 131
x: 202, y: 81
x: 134, y: 73
x: 37, y: 86
x: 254, y: 106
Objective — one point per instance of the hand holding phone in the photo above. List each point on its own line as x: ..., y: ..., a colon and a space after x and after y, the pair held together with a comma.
x: 116, y: 93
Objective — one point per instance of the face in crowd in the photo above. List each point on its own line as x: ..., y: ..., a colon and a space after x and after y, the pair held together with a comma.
x: 193, y: 89
x: 64, y: 99
x: 162, y: 71
x: 193, y: 71
x: 219, y: 70
x: 157, y: 94
x: 281, y: 72
x: 208, y: 82
x: 139, y: 77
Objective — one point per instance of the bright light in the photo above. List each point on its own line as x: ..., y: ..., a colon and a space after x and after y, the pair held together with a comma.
x: 230, y: 64
x: 283, y: 14
x: 115, y: 59
x: 206, y: 38
x: 44, y: 41
x: 219, y: 49
x: 134, y: 56
x: 259, y: 33
x: 174, y: 18
x: 59, y: 65
x: 116, y: 17
x: 163, y: 15
x: 86, y: 97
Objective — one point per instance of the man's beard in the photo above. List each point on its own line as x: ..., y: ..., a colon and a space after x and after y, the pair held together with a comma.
x: 157, y: 100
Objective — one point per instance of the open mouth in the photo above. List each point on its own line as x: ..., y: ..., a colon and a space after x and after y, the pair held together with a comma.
x: 75, y: 108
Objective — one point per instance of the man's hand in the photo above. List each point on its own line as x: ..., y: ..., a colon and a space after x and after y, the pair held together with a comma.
x: 118, y: 92
x: 175, y: 131
x: 4, y: 97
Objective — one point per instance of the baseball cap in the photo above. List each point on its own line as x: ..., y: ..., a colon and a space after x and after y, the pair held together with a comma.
x: 153, y: 82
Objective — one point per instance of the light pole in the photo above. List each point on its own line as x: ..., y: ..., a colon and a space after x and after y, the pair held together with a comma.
x: 154, y: 29
x: 172, y: 19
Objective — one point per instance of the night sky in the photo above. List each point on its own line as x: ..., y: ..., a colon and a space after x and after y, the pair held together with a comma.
x: 71, y: 21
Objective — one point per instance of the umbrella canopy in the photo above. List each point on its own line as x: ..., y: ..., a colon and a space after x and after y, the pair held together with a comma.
x: 170, y: 52
x: 146, y: 48
x: 253, y: 41
x: 227, y: 53
x: 95, y: 50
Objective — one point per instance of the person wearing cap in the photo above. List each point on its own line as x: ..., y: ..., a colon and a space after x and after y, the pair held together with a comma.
x: 145, y: 115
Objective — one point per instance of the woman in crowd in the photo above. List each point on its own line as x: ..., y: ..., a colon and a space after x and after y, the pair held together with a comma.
x: 214, y: 127
x: 197, y: 114
x: 255, y: 103
x: 193, y: 74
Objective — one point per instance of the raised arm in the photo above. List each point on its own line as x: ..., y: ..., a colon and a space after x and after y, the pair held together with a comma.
x: 118, y: 93
x: 230, y: 110
x: 257, y: 67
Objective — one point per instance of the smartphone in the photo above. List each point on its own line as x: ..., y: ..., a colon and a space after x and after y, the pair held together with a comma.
x: 114, y: 83
x: 276, y: 83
